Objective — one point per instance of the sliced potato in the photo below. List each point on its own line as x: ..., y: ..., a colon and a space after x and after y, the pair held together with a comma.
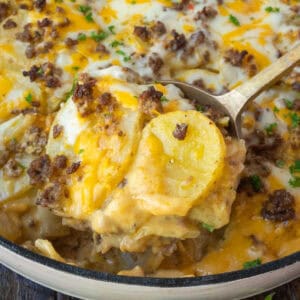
x: 216, y: 208
x: 170, y: 175
x: 104, y: 156
x: 105, y: 160
x: 15, y: 129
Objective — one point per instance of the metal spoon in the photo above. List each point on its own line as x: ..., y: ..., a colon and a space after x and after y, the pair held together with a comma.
x: 233, y: 103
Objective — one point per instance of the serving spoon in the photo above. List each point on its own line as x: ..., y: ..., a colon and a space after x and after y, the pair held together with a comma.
x: 233, y: 103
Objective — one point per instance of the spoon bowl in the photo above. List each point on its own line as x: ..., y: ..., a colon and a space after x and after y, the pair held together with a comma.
x: 233, y: 103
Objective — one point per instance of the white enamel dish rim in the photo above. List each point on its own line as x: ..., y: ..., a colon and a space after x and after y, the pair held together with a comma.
x: 150, y: 281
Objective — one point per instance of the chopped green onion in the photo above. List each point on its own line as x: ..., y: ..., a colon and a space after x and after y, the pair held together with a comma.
x: 234, y: 20
x: 208, y: 227
x: 28, y: 98
x: 111, y: 28
x: 295, y: 118
x: 125, y: 58
x: 164, y: 99
x: 89, y: 17
x: 252, y: 263
x: 84, y: 9
x: 271, y: 128
x: 116, y: 43
x: 288, y: 103
x: 271, y: 9
x: 256, y: 183
x: 100, y: 36
x: 295, y: 168
x: 294, y: 182
x: 81, y: 37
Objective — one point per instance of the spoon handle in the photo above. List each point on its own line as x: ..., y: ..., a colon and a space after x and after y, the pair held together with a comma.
x: 236, y: 100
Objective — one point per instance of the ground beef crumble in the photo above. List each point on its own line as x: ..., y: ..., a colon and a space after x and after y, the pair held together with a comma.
x: 159, y: 29
x: 142, y: 32
x: 51, y: 194
x: 60, y: 162
x: 39, y: 4
x: 150, y: 101
x: 4, y: 11
x: 9, y: 24
x: 40, y: 170
x: 73, y: 168
x: 46, y: 73
x: 235, y: 57
x: 83, y: 94
x: 4, y: 156
x: 155, y: 63
x: 57, y: 130
x: 178, y: 42
x: 35, y: 140
x: 13, y: 169
x: 279, y: 207
x: 106, y: 102
x: 180, y: 131
x: 207, y: 12
x: 181, y: 5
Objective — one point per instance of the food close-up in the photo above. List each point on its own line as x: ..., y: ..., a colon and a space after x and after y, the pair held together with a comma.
x: 106, y: 166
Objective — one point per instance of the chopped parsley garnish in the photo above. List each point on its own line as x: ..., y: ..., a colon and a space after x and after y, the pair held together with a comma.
x: 75, y: 68
x: 234, y: 20
x: 271, y: 128
x: 279, y: 163
x: 295, y: 168
x: 252, y: 263
x: 87, y: 12
x: 294, y: 182
x: 89, y: 17
x: 40, y: 71
x: 28, y: 98
x: 71, y: 91
x: 99, y: 36
x: 84, y: 9
x: 80, y: 151
x: 208, y: 227
x: 256, y: 183
x: 199, y: 107
x: 276, y: 109
x: 295, y: 118
x: 111, y: 29
x: 164, y: 99
x: 271, y: 9
x: 81, y: 37
x: 295, y: 172
x: 116, y: 43
x: 288, y: 103
x: 125, y: 57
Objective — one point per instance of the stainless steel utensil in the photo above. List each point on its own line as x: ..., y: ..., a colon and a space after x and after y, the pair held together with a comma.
x: 233, y: 103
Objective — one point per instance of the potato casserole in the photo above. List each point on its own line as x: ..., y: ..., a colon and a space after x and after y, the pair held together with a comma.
x: 103, y: 167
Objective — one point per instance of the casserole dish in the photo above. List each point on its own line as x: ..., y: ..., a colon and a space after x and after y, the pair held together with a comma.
x: 108, y: 174
x: 88, y: 284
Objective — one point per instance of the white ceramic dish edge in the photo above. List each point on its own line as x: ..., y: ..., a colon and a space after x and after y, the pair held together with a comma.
x: 83, y: 284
